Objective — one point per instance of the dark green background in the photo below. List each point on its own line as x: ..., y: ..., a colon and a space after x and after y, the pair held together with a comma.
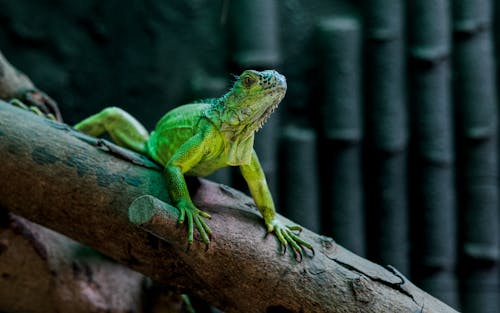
x: 386, y: 139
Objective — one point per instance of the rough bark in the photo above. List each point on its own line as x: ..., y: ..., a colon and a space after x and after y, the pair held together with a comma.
x: 74, y: 188
x: 64, y: 183
x: 44, y: 271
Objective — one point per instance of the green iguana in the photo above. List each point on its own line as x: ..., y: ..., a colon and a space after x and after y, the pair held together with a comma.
x: 198, y: 138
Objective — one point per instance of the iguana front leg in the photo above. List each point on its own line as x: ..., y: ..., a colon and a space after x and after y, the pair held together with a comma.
x: 185, y: 158
x: 126, y: 131
x: 256, y: 180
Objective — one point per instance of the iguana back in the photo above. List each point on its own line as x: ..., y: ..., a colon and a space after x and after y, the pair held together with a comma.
x: 174, y: 129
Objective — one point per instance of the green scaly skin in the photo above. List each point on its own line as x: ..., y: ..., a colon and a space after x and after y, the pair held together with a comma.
x: 197, y: 139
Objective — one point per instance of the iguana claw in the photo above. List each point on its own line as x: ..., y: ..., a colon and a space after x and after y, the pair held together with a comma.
x: 287, y: 236
x: 196, y: 217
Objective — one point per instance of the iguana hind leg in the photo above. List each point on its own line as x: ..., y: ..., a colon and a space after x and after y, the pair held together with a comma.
x: 122, y: 127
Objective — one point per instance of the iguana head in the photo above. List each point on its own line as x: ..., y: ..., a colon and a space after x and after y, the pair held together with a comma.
x: 251, y: 100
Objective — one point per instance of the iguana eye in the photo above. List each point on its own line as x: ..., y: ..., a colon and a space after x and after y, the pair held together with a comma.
x: 248, y: 81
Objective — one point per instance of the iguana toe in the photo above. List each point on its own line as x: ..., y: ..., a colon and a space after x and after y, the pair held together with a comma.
x: 287, y: 236
x: 194, y: 217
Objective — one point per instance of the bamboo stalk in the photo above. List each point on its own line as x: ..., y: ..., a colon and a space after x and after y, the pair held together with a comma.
x: 299, y: 184
x: 342, y: 197
x: 341, y: 185
x: 477, y: 151
x: 386, y: 133
x: 434, y: 210
x: 253, y: 33
x: 496, y: 32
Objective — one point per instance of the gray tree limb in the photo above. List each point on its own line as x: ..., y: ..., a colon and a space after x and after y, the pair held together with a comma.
x: 15, y: 84
x: 44, y: 271
x: 53, y: 178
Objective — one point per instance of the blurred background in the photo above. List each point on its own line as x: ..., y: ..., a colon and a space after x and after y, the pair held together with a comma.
x: 386, y: 139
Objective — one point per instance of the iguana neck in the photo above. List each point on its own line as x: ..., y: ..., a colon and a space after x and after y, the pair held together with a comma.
x: 231, y: 122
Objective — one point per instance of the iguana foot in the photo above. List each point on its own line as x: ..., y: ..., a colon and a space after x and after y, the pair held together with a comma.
x: 196, y: 217
x: 287, y: 236
x: 18, y: 103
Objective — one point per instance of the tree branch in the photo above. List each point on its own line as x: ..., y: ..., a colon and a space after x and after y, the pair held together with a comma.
x: 15, y: 84
x: 43, y: 271
x: 64, y: 183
